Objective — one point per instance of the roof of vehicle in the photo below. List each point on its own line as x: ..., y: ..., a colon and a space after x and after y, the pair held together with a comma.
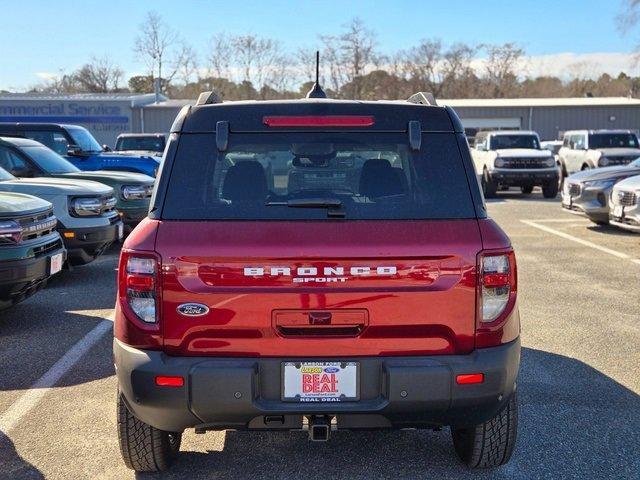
x: 541, y: 102
x: 36, y: 125
x: 19, y: 142
x: 141, y: 135
x: 603, y: 130
x: 508, y: 132
x: 248, y: 115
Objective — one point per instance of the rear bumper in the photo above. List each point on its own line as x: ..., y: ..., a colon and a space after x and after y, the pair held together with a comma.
x: 244, y: 393
x: 89, y: 243
x: 517, y: 177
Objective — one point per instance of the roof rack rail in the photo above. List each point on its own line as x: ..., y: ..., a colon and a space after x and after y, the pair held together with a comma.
x: 208, y: 98
x: 423, y: 98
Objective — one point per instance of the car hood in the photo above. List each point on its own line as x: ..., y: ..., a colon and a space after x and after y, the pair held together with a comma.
x: 620, y: 152
x: 55, y: 186
x: 12, y: 204
x: 111, y: 176
x: 629, y: 184
x: 523, y: 152
x: 605, y: 173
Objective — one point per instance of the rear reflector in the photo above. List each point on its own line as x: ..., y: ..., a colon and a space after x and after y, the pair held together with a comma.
x: 470, y: 378
x: 164, y: 381
x: 319, y: 121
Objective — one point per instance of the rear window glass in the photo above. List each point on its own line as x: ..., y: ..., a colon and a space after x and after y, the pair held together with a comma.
x: 151, y: 144
x: 314, y: 176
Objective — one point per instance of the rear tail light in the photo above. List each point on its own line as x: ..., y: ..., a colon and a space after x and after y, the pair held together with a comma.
x: 140, y: 284
x: 495, y: 286
x: 498, y: 319
x: 319, y: 121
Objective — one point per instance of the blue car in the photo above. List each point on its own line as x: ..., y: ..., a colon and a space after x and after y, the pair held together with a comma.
x: 77, y: 145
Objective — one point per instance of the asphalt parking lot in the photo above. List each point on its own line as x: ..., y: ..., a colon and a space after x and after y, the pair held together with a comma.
x: 579, y: 387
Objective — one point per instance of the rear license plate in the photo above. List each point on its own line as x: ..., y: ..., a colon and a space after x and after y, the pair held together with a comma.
x: 320, y: 381
x: 120, y: 230
x: 55, y: 263
x: 618, y: 211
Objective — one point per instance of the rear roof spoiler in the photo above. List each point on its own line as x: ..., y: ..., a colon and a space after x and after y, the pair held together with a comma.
x: 208, y: 98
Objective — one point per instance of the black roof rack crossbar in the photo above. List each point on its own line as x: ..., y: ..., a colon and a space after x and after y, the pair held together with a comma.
x: 208, y: 98
x: 423, y: 98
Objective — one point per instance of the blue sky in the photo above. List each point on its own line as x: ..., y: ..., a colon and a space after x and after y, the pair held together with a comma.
x: 40, y: 37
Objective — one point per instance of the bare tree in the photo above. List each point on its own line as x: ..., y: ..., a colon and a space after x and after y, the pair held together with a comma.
x: 628, y: 19
x: 350, y: 55
x: 458, y: 76
x: 162, y: 50
x: 100, y: 75
x: 501, y: 68
x: 422, y: 66
x: 220, y: 55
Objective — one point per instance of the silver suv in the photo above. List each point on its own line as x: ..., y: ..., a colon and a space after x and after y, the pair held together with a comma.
x: 585, y: 149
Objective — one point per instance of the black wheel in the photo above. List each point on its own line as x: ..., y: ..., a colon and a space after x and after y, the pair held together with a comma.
x: 143, y: 447
x: 550, y: 190
x: 489, y: 187
x: 526, y: 189
x: 489, y: 444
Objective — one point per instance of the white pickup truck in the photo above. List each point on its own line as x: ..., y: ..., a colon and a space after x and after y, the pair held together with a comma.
x: 508, y: 158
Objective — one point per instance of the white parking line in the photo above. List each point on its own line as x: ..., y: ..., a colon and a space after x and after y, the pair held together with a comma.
x: 586, y: 243
x: 29, y: 399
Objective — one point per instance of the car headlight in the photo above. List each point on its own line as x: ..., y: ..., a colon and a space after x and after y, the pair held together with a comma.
x: 10, y: 232
x: 603, y: 161
x: 499, y: 162
x: 135, y: 192
x: 549, y: 162
x: 91, y: 206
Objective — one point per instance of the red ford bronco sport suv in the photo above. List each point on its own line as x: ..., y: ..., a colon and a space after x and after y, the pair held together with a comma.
x: 317, y: 265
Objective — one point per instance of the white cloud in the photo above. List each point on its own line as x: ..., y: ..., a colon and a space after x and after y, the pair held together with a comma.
x: 581, y: 65
x: 47, y: 75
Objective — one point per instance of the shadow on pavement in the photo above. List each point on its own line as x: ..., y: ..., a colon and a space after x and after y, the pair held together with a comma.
x: 611, y: 230
x: 575, y: 422
x: 12, y: 465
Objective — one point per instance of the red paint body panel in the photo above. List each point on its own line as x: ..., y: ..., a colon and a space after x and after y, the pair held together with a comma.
x: 428, y: 306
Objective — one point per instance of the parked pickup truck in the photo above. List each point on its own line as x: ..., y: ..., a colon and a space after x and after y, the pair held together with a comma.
x: 364, y: 288
x: 78, y: 146
x: 142, y: 143
x: 26, y: 158
x: 85, y: 211
x: 508, y: 158
x: 31, y: 249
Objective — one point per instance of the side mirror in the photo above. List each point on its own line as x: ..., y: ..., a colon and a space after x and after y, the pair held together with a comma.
x: 74, y: 151
x: 22, y: 172
x: 106, y: 148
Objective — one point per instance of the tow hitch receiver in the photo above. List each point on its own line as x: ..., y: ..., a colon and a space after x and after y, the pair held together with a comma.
x: 319, y: 428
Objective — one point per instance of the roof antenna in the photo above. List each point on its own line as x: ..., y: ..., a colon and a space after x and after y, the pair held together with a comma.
x: 316, y: 91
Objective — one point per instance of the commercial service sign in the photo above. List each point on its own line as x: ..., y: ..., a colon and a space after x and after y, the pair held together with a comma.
x: 106, y: 118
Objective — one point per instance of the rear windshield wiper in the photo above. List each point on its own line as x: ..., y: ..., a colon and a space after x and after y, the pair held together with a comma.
x: 333, y: 205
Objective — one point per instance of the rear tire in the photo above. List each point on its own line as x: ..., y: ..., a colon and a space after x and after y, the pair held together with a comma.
x: 489, y: 187
x: 526, y: 189
x: 144, y: 448
x: 491, y: 443
x: 550, y: 190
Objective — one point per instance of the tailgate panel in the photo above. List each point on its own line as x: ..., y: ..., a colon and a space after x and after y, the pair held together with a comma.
x: 403, y: 287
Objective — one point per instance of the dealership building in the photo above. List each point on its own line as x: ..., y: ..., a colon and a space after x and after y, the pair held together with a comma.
x: 107, y: 115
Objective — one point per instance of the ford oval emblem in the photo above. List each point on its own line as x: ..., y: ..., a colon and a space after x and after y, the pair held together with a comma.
x: 331, y: 370
x: 193, y: 309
